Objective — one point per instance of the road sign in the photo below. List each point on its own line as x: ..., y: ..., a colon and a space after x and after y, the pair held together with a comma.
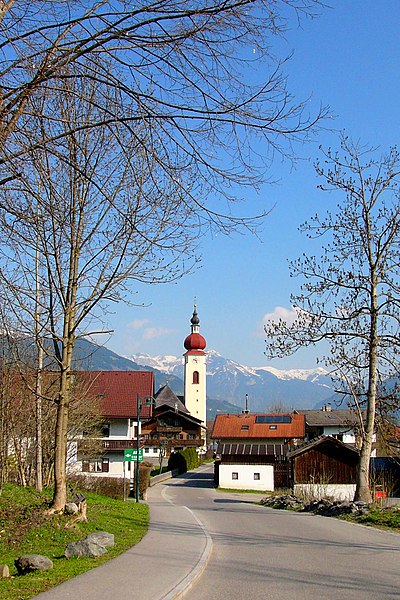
x: 131, y: 455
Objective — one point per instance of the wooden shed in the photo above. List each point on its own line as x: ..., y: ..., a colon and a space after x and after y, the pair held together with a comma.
x: 325, y: 467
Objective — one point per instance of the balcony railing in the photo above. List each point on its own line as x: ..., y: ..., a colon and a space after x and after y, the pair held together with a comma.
x: 110, y: 444
x: 166, y: 429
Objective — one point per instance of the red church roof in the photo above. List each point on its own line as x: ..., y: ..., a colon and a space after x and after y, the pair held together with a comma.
x: 256, y: 426
x: 118, y: 391
x: 194, y: 341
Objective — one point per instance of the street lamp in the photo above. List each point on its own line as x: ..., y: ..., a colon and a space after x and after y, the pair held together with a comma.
x: 148, y: 401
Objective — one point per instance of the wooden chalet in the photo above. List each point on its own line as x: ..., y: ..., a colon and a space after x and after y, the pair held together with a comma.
x: 171, y: 425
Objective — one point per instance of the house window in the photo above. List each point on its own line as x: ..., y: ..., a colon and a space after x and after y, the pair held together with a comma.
x: 191, y: 436
x: 256, y: 476
x: 245, y: 427
x: 106, y: 430
x: 235, y: 475
x: 195, y: 377
x: 155, y: 450
x: 146, y: 450
x: 97, y: 465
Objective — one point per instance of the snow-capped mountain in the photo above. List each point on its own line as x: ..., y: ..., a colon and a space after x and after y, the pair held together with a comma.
x: 266, y: 387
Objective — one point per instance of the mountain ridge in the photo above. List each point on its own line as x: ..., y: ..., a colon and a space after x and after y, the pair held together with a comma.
x: 265, y: 387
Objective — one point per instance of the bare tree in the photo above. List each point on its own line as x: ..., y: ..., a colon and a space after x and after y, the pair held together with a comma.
x: 202, y: 75
x: 350, y: 295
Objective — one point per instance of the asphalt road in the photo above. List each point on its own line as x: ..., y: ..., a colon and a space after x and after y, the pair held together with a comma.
x: 261, y: 553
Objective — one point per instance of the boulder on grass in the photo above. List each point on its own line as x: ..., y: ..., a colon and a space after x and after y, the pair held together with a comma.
x: 84, y: 548
x: 32, y: 562
x: 101, y: 537
x: 71, y: 508
x: 4, y: 572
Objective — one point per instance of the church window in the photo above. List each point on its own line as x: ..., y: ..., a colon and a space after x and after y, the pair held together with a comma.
x: 195, y: 377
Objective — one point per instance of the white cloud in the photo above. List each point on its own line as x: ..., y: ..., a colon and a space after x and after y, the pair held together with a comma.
x: 279, y: 312
x: 150, y: 333
x: 137, y: 324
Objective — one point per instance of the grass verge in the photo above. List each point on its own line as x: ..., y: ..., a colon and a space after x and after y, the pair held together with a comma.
x: 25, y: 529
x: 384, y: 518
x: 235, y: 491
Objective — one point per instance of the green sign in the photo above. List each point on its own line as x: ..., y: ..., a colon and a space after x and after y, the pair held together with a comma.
x: 131, y: 455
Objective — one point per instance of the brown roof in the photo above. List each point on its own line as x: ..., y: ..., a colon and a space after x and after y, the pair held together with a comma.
x: 331, y: 418
x: 323, y: 440
x: 256, y: 426
x: 166, y: 396
x: 118, y: 391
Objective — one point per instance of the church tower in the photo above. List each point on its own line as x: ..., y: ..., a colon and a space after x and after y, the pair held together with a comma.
x: 195, y: 370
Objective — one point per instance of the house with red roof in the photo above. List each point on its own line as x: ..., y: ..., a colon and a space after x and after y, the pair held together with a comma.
x: 252, y: 449
x: 119, y: 393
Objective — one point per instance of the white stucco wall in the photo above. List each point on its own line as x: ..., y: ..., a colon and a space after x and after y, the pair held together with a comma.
x: 316, y: 491
x: 119, y: 428
x: 245, y: 477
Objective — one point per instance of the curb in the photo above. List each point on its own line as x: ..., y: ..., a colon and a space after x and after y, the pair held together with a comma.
x: 180, y: 590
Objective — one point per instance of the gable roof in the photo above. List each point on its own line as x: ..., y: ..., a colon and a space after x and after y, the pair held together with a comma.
x: 185, y: 417
x: 331, y: 418
x: 250, y: 426
x: 118, y: 391
x: 323, y: 440
x: 165, y: 396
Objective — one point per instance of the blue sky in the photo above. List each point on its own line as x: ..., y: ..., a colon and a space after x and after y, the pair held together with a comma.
x: 347, y: 58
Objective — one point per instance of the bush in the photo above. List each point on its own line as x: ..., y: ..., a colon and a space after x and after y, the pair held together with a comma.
x: 177, y: 462
x: 113, y: 487
x: 183, y: 460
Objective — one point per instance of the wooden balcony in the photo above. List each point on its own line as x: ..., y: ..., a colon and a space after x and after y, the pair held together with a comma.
x: 166, y: 429
x: 110, y: 445
x: 186, y: 443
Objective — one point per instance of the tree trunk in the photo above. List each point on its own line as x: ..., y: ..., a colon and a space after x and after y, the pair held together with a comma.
x: 363, y: 492
x: 61, y: 436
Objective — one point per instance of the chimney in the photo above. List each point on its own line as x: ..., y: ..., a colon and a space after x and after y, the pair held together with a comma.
x: 246, y: 410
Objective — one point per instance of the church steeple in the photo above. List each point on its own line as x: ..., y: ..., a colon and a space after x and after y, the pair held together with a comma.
x: 195, y: 370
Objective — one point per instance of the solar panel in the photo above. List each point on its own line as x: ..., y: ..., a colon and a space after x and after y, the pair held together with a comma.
x: 273, y: 419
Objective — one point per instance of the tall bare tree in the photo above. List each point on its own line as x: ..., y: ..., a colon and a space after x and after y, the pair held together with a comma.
x: 351, y: 295
x: 203, y: 75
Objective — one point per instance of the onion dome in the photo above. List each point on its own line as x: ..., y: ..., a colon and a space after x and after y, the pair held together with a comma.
x: 194, y: 340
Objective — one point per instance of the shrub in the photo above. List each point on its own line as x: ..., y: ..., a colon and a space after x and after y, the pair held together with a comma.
x: 183, y: 460
x: 113, y: 487
x: 177, y: 462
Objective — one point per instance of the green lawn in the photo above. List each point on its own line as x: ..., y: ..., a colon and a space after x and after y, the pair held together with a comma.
x: 25, y: 529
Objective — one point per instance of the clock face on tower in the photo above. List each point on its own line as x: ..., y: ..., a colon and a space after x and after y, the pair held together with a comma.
x: 195, y: 360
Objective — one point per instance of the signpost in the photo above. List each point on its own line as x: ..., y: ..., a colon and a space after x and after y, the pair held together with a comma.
x: 131, y: 455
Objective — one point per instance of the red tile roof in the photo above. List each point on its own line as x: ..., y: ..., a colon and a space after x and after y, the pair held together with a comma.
x: 244, y: 427
x: 118, y: 391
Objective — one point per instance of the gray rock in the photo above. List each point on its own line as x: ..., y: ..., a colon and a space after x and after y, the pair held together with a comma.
x: 4, y: 572
x: 101, y: 537
x: 84, y: 548
x: 32, y: 562
x: 71, y: 508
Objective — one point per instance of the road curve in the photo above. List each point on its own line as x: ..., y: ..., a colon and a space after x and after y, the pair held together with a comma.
x: 261, y: 553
